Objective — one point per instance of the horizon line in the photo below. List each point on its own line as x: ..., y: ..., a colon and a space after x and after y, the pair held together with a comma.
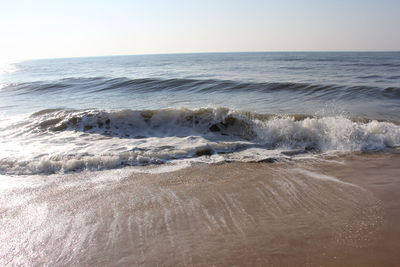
x: 214, y: 52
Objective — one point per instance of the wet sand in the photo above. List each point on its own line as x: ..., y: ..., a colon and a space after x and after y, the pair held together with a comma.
x: 340, y: 211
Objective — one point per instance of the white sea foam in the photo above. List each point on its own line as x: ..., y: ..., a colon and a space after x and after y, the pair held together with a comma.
x: 328, y: 133
x: 52, y: 141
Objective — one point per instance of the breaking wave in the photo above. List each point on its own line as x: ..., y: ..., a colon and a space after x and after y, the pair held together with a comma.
x: 59, y: 140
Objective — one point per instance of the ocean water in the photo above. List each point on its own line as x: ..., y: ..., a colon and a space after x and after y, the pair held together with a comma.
x: 84, y: 114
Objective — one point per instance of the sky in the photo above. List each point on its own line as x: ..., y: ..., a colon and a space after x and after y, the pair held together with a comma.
x: 78, y: 28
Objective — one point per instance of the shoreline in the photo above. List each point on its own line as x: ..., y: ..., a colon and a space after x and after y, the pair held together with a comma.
x: 339, y: 211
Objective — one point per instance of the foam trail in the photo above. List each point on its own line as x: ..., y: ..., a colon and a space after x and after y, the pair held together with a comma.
x: 321, y: 176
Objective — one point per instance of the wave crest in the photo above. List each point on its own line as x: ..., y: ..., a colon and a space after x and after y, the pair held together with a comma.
x: 70, y: 140
x: 95, y: 85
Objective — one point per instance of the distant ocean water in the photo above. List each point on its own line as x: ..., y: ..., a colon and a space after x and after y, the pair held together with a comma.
x: 65, y: 115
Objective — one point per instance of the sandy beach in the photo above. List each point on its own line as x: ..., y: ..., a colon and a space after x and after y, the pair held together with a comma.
x: 339, y: 211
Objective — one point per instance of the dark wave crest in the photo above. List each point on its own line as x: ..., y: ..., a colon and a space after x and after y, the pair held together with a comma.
x: 146, y: 85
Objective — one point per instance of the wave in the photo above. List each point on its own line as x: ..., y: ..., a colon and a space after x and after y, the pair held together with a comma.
x: 72, y: 140
x: 147, y: 85
x: 373, y: 64
x: 145, y: 123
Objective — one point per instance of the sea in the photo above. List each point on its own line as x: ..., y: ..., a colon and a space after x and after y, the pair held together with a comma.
x: 96, y: 113
x: 207, y: 159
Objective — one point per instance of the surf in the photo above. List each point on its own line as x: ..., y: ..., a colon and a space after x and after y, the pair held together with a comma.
x: 76, y: 140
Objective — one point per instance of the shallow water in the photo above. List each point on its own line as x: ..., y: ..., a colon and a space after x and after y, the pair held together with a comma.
x: 303, y: 212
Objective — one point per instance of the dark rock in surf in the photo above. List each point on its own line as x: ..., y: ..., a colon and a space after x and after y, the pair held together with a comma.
x: 267, y: 160
x: 204, y: 152
x: 214, y: 128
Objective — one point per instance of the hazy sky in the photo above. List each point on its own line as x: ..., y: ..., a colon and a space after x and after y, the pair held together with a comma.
x: 55, y: 28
